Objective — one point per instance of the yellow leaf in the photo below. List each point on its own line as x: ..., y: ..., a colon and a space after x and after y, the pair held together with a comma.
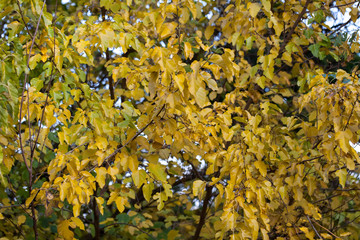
x: 76, y: 209
x: 63, y: 230
x: 209, y: 32
x: 267, y: 5
x: 101, y: 176
x: 341, y: 74
x: 192, y: 7
x: 185, y: 15
x: 198, y: 187
x: 354, y: 13
x: 254, y: 8
x: 107, y: 37
x: 100, y: 202
x: 286, y: 57
x: 344, y: 234
x: 3, y: 179
x: 147, y: 191
x: 101, y: 143
x: 112, y: 171
x: 278, y: 99
x: 308, y: 234
x: 212, y: 84
x: 81, y: 45
x: 261, y: 166
x: 167, y: 190
x: 180, y: 79
x: 158, y: 171
x: 78, y: 222
x: 120, y: 203
x: 167, y: 29
x: 200, y: 97
x: 139, y: 177
x: 311, y: 185
x: 161, y: 197
x: 189, y: 54
x: 133, y: 163
x: 31, y: 198
x: 342, y: 173
x: 172, y: 234
x: 21, y: 219
x: 343, y: 138
x: 204, y: 47
x: 276, y: 26
x: 132, y: 213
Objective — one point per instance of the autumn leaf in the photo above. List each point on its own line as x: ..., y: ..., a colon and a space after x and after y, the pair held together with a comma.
x: 64, y: 231
x: 219, y: 120
x: 158, y: 172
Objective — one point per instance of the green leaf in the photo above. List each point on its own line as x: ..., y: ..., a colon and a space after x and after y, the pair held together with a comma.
x: 34, y: 60
x: 37, y: 83
x: 315, y: 48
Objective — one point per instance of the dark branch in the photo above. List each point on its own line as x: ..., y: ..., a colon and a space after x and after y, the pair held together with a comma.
x: 201, y: 223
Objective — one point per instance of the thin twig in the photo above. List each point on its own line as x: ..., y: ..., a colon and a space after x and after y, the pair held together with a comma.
x: 29, y: 165
x: 314, y: 227
x: 16, y: 226
x: 344, y: 5
x: 47, y: 89
x: 326, y: 229
x: 23, y: 19
x: 341, y: 26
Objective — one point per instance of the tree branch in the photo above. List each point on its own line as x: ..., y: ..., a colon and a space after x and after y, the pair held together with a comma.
x: 96, y: 219
x: 314, y: 227
x: 292, y: 30
x: 107, y: 53
x: 208, y: 190
x: 29, y: 165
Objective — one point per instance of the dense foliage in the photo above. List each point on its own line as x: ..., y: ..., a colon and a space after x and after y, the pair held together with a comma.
x: 212, y: 119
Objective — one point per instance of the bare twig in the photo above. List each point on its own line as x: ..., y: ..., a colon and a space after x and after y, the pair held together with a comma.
x: 344, y: 5
x: 326, y: 229
x: 29, y: 165
x: 47, y: 89
x: 314, y: 227
x: 341, y: 26
x: 23, y: 19
x: 196, y: 171
x: 15, y: 225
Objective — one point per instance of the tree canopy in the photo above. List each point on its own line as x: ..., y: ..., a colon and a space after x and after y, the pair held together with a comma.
x: 179, y: 119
